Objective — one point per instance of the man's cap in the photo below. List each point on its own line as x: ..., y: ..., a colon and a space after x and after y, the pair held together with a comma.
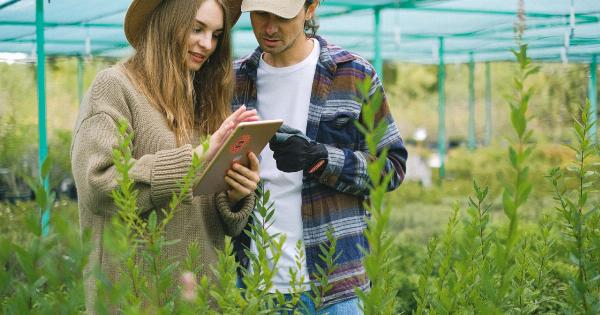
x: 286, y: 9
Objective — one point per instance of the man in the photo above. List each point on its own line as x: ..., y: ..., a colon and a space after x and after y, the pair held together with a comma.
x: 316, y: 167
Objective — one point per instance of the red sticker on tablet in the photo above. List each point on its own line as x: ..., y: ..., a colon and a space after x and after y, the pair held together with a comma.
x: 240, y: 143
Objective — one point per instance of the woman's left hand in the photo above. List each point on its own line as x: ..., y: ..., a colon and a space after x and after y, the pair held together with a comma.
x: 242, y: 180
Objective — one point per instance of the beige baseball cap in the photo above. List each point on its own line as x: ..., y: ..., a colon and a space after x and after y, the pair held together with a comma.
x: 286, y: 9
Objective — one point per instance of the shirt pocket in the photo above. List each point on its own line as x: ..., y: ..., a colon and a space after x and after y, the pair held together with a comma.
x: 337, y: 124
x: 338, y: 114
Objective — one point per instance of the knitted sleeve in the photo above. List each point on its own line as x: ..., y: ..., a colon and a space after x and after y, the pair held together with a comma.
x: 235, y: 219
x: 156, y: 176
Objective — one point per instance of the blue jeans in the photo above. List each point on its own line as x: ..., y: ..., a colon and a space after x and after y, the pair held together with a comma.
x: 346, y: 307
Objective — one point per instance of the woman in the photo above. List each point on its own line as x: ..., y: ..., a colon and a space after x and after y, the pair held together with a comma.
x: 173, y: 90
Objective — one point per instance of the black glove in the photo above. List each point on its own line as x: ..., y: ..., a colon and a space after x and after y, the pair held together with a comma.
x: 296, y: 154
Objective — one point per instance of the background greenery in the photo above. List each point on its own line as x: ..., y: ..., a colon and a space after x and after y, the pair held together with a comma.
x: 417, y: 212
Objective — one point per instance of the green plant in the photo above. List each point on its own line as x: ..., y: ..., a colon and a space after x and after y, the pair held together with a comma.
x: 15, y: 145
x: 485, y: 269
x: 42, y: 274
x: 503, y: 252
x: 59, y: 153
x: 580, y: 219
x: 258, y: 280
x: 378, y: 261
x: 516, y: 195
x: 321, y: 286
x: 135, y: 242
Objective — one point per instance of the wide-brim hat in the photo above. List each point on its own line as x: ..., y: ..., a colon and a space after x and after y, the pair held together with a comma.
x: 139, y: 13
x: 286, y: 9
x: 137, y: 16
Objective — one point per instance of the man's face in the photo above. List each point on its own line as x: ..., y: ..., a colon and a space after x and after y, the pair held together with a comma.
x: 277, y: 35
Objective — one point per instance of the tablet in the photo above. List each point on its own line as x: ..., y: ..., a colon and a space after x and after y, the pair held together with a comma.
x: 247, y: 137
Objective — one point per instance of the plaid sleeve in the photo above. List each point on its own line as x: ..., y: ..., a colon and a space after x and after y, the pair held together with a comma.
x: 346, y: 170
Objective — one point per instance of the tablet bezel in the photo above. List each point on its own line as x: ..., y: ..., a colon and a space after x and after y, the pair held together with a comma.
x: 212, y: 178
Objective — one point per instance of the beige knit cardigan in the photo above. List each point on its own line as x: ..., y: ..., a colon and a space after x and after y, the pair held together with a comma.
x: 158, y: 166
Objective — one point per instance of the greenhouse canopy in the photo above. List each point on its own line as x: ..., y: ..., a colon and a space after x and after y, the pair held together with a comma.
x: 403, y: 30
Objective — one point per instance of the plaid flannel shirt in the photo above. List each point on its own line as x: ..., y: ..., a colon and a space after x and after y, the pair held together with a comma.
x: 336, y: 198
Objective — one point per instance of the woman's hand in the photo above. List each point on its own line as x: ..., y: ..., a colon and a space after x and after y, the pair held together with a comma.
x: 242, y: 115
x: 242, y: 180
x: 217, y: 138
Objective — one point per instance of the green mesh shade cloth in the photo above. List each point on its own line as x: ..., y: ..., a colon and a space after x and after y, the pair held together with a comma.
x: 409, y: 30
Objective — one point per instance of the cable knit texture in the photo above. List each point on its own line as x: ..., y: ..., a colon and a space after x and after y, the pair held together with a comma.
x: 233, y: 220
x: 159, y: 165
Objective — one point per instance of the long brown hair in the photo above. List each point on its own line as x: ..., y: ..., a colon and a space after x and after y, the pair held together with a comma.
x: 191, y: 101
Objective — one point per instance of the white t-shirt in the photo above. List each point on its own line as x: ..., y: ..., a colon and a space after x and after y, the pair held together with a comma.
x: 284, y: 93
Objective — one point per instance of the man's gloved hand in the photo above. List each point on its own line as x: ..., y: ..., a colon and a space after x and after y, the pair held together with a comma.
x: 294, y: 152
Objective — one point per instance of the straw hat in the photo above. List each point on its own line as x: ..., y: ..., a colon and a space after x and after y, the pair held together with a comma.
x: 136, y: 18
x: 139, y: 13
x: 286, y: 9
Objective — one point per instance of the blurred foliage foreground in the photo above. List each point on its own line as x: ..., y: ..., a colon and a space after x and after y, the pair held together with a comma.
x: 514, y: 230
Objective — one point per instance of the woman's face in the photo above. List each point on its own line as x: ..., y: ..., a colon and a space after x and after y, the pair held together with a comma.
x: 205, y: 35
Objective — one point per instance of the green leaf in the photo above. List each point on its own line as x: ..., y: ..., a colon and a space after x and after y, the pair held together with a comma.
x: 46, y: 165
x: 508, y: 204
x: 41, y: 198
x: 525, y: 191
x: 361, y: 128
x: 532, y: 71
x: 152, y: 221
x: 42, y: 280
x: 518, y: 84
x: 269, y: 216
x: 518, y: 122
x: 512, y: 155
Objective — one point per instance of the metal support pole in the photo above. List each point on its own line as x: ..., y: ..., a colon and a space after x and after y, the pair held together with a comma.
x: 80, y: 78
x: 441, y: 109
x: 488, y: 104
x: 377, y: 60
x: 593, y: 96
x: 471, y: 137
x: 41, y: 82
